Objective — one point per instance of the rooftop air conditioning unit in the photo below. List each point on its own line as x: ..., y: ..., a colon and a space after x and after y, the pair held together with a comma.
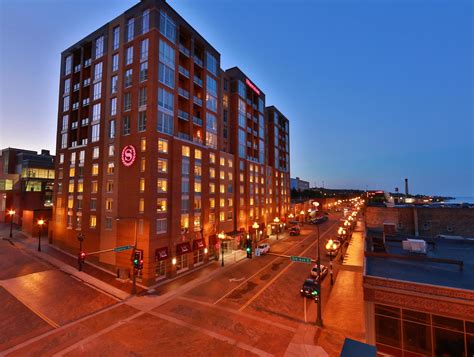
x: 414, y: 245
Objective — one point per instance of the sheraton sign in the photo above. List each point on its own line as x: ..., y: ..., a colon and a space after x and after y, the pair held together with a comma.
x: 129, y: 155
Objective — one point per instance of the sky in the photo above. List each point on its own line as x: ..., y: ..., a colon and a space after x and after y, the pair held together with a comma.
x: 375, y: 91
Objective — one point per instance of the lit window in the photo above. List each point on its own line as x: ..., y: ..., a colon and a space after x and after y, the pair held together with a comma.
x: 142, y: 184
x: 161, y: 205
x: 142, y: 164
x: 212, y: 158
x: 141, y: 205
x: 162, y: 165
x: 95, y: 187
x: 163, y: 146
x: 222, y: 189
x: 186, y: 151
x: 109, y: 203
x: 212, y: 172
x: 221, y: 202
x: 143, y: 144
x: 95, y: 169
x: 110, y: 168
x: 222, y: 161
x: 93, y: 221
x: 197, y: 154
x: 222, y: 216
x: 162, y: 185
x: 212, y: 203
x: 212, y: 188
x: 222, y: 175
x: 197, y: 187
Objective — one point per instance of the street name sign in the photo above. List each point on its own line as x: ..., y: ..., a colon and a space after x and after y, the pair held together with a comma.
x: 122, y: 248
x: 300, y: 259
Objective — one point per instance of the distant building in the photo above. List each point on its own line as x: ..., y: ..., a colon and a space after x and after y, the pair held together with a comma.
x: 419, y: 302
x: 298, y: 184
x: 26, y: 184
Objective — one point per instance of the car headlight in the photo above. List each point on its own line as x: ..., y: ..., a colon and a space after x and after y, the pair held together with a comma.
x: 301, y: 290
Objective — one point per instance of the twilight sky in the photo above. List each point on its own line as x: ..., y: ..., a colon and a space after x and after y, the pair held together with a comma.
x: 375, y: 91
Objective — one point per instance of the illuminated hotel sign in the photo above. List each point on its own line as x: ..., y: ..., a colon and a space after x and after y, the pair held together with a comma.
x: 253, y: 86
x: 128, y: 155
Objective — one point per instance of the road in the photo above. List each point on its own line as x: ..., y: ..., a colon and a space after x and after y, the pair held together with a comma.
x: 252, y: 307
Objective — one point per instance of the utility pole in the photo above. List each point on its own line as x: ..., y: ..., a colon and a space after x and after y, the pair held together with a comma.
x: 319, y: 319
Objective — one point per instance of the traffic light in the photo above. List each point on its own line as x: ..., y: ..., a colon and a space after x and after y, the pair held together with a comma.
x: 138, y: 259
x: 249, y: 249
x: 81, y: 259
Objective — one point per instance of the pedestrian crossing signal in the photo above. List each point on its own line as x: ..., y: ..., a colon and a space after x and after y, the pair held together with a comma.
x: 249, y: 249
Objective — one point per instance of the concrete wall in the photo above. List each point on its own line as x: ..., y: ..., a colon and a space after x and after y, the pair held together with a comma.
x: 431, y: 221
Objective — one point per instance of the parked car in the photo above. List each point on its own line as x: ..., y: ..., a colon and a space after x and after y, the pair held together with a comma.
x: 264, y: 248
x: 314, y: 272
x: 295, y: 231
x: 309, y: 289
x: 319, y: 220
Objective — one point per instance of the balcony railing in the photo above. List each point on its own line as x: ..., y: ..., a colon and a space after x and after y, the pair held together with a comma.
x: 183, y: 115
x: 183, y: 50
x: 183, y: 93
x: 77, y: 68
x: 74, y: 125
x: 197, y: 140
x: 183, y: 71
x: 84, y: 121
x: 197, y: 101
x: 198, y: 81
x: 75, y: 106
x: 87, y: 62
x: 76, y: 87
x: 197, y: 61
x: 184, y: 136
x: 87, y: 81
x: 197, y: 120
x: 85, y: 102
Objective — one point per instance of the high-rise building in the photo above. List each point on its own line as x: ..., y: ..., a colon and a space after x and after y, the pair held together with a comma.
x: 157, y: 145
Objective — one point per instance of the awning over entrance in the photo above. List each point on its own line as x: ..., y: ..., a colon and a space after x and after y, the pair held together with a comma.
x: 183, y: 248
x: 199, y: 244
x: 161, y: 254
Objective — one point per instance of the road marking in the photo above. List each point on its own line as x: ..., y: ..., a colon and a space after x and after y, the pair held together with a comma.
x: 305, y: 309
x: 265, y: 267
x: 236, y: 280
x: 258, y: 293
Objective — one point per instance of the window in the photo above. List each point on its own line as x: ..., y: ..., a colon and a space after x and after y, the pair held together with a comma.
x: 165, y: 123
x: 222, y: 175
x: 109, y: 203
x: 130, y: 29
x: 113, y: 106
x: 95, y: 185
x: 185, y: 166
x: 198, y: 154
x: 185, y: 186
x: 115, y: 62
x: 97, y: 90
x: 95, y: 169
x: 161, y: 205
x: 162, y: 166
x: 128, y: 78
x: 222, y: 161
x: 110, y: 168
x: 184, y: 204
x: 142, y: 184
x: 162, y: 185
x: 116, y: 38
x: 144, y: 49
x: 197, y: 170
x: 197, y: 186
x: 143, y: 71
x: 99, y: 47
x: 145, y: 21
x: 96, y: 112
x: 212, y: 188
x: 221, y: 188
x: 67, y: 86
x: 98, y: 71
x: 126, y: 125
x: 93, y: 221
x: 143, y: 144
x: 222, y: 216
x: 127, y: 101
x: 161, y: 225
x: 95, y: 133
x: 142, y: 121
x: 211, y: 102
x: 221, y: 203
x: 185, y: 151
x: 141, y: 205
x: 212, y: 158
x: 167, y: 27
x: 112, y: 129
x: 142, y: 96
x: 129, y: 56
x: 114, y: 84
x: 167, y: 64
x: 212, y: 172
x: 142, y: 164
x: 68, y: 65
x: 163, y: 146
x: 211, y: 85
x: 212, y: 203
x: 109, y: 186
x: 166, y: 75
x: 63, y: 141
x: 211, y: 63
x: 65, y: 104
x: 241, y: 89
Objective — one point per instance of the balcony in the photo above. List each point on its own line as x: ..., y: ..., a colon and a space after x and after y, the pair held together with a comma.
x: 197, y: 61
x: 84, y: 141
x: 85, y: 102
x: 183, y: 71
x: 84, y: 121
x: 183, y: 115
x: 184, y: 136
x: 87, y: 62
x: 75, y: 106
x: 183, y: 93
x: 74, y: 125
x: 87, y: 81
x: 197, y: 101
x: 197, y: 120
x: 197, y: 140
x: 198, y: 81
x: 183, y: 50
x: 76, y: 87
x: 77, y: 68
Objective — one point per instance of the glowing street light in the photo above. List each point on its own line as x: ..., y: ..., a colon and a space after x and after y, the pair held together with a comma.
x: 331, y: 247
x: 221, y: 236
x: 256, y: 226
x: 40, y: 224
x: 11, y: 213
x: 277, y: 221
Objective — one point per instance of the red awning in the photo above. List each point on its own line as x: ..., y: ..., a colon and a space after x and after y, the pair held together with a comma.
x: 161, y: 254
x: 199, y: 244
x: 183, y: 248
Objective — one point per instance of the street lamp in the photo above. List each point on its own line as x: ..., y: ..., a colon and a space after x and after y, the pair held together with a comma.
x: 256, y: 226
x: 331, y: 247
x: 80, y: 238
x: 11, y: 213
x: 40, y: 224
x: 221, y: 236
x: 319, y: 319
x: 277, y: 220
x: 302, y: 215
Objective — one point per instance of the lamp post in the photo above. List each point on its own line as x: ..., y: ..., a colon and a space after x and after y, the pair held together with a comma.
x: 11, y: 213
x: 319, y: 318
x: 302, y: 216
x: 277, y: 221
x: 256, y: 226
x: 221, y: 236
x: 80, y: 238
x: 40, y: 224
x: 331, y: 247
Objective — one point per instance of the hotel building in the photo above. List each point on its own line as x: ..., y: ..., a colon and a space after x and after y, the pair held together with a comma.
x: 157, y: 145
